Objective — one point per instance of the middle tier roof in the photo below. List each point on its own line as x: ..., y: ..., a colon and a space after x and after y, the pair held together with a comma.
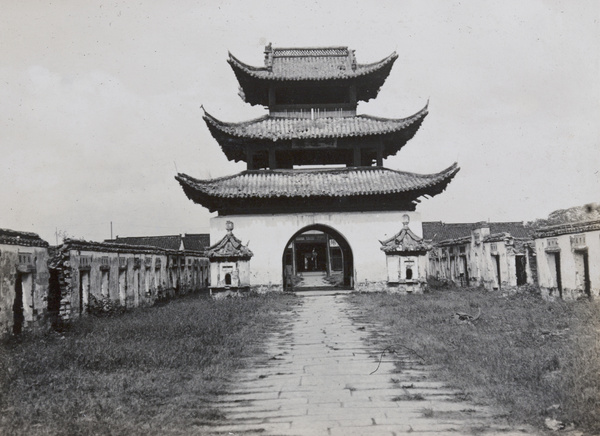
x: 268, y: 131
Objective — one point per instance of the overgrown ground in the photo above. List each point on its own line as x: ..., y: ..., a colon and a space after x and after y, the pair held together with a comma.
x: 535, y: 359
x: 152, y: 371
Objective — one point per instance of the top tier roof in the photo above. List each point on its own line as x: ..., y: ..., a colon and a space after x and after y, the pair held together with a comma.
x: 310, y: 64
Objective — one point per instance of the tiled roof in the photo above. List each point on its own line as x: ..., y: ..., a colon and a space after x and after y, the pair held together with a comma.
x: 306, y: 65
x: 335, y: 182
x: 568, y: 228
x: 310, y: 64
x: 110, y: 246
x: 515, y: 229
x: 438, y: 231
x: 27, y: 239
x: 277, y: 129
x: 167, y: 242
x: 196, y: 242
x: 191, y: 241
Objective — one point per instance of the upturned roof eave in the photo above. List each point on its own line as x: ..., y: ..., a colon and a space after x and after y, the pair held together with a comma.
x: 254, y: 81
x: 208, y: 194
x: 231, y: 136
x: 263, y: 74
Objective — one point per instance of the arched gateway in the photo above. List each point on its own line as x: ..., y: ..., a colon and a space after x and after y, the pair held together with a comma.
x: 314, y: 165
x: 315, y: 256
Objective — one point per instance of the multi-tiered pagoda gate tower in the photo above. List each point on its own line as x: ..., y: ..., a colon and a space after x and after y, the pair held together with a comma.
x: 325, y: 220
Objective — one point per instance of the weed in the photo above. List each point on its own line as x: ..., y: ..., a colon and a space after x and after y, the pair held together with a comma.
x: 427, y: 412
x: 152, y: 371
x: 409, y: 397
x: 524, y: 353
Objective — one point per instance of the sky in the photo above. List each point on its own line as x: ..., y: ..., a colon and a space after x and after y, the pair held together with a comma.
x: 100, y: 103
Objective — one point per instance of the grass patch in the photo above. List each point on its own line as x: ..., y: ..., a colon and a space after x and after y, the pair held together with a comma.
x: 152, y: 371
x: 524, y: 353
x: 409, y: 397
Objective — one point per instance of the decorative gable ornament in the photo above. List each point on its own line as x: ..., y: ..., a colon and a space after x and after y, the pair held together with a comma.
x: 229, y: 248
x: 405, y: 242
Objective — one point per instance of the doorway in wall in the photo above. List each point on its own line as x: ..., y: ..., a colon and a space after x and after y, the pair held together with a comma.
x: 18, y: 313
x: 54, y: 296
x: 557, y: 273
x: 582, y: 271
x: 498, y: 273
x: 465, y: 271
x: 521, y: 269
x: 318, y: 256
x: 84, y: 290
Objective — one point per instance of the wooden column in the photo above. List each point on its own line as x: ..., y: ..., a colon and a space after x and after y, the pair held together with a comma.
x: 249, y: 158
x: 272, y: 159
x: 271, y: 97
x: 328, y: 255
x: 357, y: 156
x: 294, y: 266
x: 352, y: 95
x: 380, y: 155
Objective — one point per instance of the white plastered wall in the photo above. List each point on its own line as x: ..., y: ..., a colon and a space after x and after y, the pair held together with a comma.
x: 268, y: 236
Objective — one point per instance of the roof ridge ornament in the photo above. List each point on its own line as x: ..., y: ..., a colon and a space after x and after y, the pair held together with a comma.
x: 229, y: 248
x: 405, y: 241
x: 269, y: 57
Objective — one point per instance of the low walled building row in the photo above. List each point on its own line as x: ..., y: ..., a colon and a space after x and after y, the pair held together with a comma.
x: 492, y: 255
x: 41, y: 285
x: 569, y: 259
x: 23, y: 281
x: 87, y: 273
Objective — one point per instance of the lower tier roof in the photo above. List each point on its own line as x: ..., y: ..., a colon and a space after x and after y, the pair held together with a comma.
x: 353, y: 188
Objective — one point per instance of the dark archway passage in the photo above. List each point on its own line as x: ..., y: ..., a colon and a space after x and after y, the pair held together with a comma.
x: 318, y: 250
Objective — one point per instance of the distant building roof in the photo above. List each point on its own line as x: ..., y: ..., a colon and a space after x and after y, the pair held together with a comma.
x: 27, y: 239
x: 438, y: 231
x: 310, y: 64
x: 196, y: 242
x: 515, y: 229
x: 193, y: 242
x: 352, y: 182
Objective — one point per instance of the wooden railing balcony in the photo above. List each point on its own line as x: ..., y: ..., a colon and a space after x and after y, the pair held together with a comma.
x: 311, y: 112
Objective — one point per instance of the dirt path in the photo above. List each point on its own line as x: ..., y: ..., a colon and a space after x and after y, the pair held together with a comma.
x: 320, y: 380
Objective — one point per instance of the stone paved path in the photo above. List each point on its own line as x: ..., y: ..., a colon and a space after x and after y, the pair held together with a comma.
x: 319, y: 382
